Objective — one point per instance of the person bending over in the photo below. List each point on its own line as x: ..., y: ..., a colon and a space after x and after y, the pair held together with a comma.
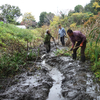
x: 77, y: 36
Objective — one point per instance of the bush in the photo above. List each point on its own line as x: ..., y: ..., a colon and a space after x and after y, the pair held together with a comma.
x: 73, y: 25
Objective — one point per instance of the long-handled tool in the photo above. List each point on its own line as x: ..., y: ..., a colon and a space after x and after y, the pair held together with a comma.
x: 54, y: 41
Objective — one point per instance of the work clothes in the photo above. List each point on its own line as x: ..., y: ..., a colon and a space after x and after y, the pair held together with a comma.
x: 48, y: 47
x: 62, y: 40
x: 74, y: 55
x: 79, y: 38
x: 47, y: 38
x: 82, y: 51
x: 82, y: 48
x: 62, y: 33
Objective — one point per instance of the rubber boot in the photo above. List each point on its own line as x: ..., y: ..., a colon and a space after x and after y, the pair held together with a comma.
x: 74, y: 56
x: 83, y: 58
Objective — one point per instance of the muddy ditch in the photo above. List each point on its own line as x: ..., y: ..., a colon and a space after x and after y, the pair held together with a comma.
x: 54, y: 78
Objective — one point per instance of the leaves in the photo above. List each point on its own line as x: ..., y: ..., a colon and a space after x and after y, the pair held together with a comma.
x: 10, y: 13
x: 28, y: 20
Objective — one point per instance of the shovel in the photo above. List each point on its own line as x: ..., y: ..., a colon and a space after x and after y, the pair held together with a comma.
x: 54, y: 42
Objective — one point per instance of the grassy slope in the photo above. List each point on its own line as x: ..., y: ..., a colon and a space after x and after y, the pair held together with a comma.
x: 13, y: 45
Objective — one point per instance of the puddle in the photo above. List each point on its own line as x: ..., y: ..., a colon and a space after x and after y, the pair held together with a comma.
x: 55, y: 91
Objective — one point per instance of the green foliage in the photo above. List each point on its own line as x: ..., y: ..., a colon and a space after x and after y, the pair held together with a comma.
x: 32, y: 55
x: 10, y: 64
x: 10, y: 31
x: 93, y: 6
x: 97, y: 74
x: 45, y: 18
x: 92, y: 50
x: 13, y: 42
x: 28, y: 20
x: 78, y: 18
x: 63, y: 51
x: 42, y: 16
x: 64, y: 21
x: 55, y: 21
x: 91, y: 21
x: 1, y: 23
x: 71, y: 12
x: 49, y: 17
x: 10, y: 13
x: 73, y: 25
x: 79, y: 8
x: 58, y: 52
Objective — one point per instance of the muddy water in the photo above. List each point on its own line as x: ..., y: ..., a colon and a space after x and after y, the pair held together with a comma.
x: 55, y: 91
x: 29, y: 86
x: 54, y: 78
x: 78, y: 82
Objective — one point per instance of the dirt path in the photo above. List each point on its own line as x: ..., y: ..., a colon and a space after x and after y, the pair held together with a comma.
x: 54, y: 78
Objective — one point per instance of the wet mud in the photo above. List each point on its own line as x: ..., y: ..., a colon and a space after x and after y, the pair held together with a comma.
x: 54, y: 78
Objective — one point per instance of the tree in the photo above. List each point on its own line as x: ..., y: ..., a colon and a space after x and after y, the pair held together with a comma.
x: 79, y: 18
x: 1, y: 17
x: 55, y: 21
x: 71, y: 12
x: 88, y: 8
x: 93, y: 6
x: 10, y: 13
x: 49, y: 16
x: 45, y: 18
x: 42, y: 17
x: 96, y: 6
x: 79, y: 8
x: 28, y: 20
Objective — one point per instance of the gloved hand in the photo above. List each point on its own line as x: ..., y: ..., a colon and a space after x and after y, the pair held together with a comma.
x: 71, y: 49
x: 81, y: 44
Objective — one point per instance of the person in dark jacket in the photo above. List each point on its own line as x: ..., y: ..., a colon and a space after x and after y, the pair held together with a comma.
x: 47, y: 38
x: 62, y: 34
x: 77, y: 36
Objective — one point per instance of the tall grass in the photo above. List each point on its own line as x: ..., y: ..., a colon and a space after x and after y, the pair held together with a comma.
x: 13, y: 48
x: 93, y: 47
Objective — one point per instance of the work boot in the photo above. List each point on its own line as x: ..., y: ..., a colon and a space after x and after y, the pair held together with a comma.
x: 83, y: 58
x: 74, y: 55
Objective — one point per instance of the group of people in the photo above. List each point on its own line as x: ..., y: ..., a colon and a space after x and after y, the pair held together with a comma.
x: 77, y: 38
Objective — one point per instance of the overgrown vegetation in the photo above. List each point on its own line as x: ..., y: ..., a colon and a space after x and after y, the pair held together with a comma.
x: 14, y: 42
x: 93, y: 47
x: 13, y: 48
x: 92, y: 32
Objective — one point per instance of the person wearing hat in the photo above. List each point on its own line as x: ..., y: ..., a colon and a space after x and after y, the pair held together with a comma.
x: 47, y: 38
x: 77, y: 36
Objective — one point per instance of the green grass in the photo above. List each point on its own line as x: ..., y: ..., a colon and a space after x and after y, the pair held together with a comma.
x: 13, y: 46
